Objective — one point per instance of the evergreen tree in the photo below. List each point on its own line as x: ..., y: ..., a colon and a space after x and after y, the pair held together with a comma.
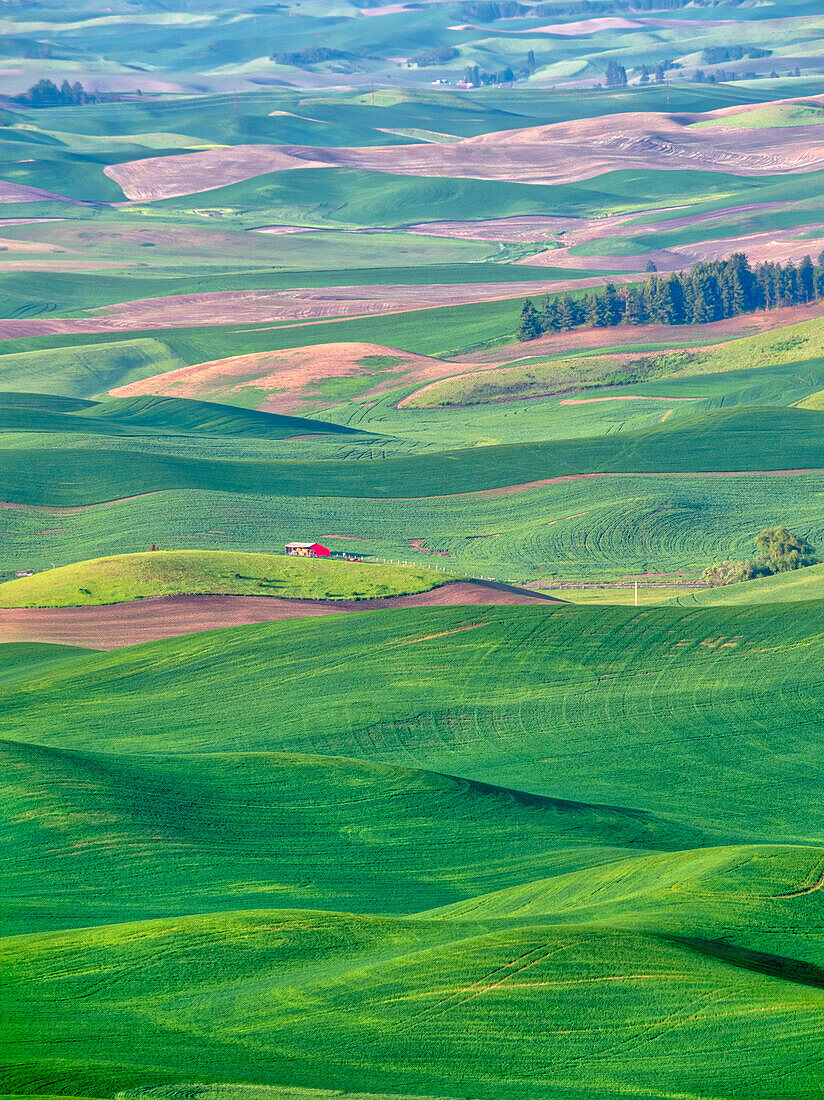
x: 616, y: 75
x: 550, y: 318
x: 567, y: 314
x: 806, y: 280
x: 677, y: 303
x: 635, y: 310
x: 529, y: 324
x: 788, y: 285
x: 612, y: 304
x: 707, y: 292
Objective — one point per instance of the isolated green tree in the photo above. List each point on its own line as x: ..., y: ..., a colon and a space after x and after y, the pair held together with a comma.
x: 779, y: 550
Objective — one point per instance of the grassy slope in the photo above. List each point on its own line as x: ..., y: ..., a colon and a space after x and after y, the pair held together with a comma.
x: 814, y: 401
x: 294, y: 261
x: 254, y: 830
x: 32, y: 472
x: 790, y: 347
x: 357, y: 198
x: 440, y: 331
x: 586, y: 528
x: 529, y: 1012
x: 617, y: 975
x: 791, y: 114
x: 86, y: 370
x: 151, y: 417
x: 800, y: 584
x: 539, y: 692
x: 176, y: 572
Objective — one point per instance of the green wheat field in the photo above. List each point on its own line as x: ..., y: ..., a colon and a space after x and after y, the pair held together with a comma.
x: 497, y: 792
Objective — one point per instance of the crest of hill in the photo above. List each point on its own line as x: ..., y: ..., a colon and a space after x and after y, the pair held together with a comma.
x: 736, y: 888
x: 674, y: 673
x: 86, y: 369
x: 769, y: 117
x: 790, y: 587
x: 212, y: 572
x: 560, y: 152
x: 789, y: 344
x: 286, y: 380
x: 373, y: 834
x: 480, y: 1001
x: 745, y: 439
x: 153, y: 414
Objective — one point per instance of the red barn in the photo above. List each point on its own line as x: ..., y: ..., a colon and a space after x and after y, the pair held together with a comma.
x: 308, y: 550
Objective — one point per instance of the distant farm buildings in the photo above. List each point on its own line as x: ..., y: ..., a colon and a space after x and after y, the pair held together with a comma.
x: 307, y: 550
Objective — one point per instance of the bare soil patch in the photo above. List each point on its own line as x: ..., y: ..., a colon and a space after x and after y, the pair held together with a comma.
x: 279, y: 307
x: 289, y: 378
x: 18, y: 192
x: 783, y: 244
x: 115, y: 625
x: 588, y: 26
x: 562, y: 152
x: 526, y: 229
x: 190, y: 173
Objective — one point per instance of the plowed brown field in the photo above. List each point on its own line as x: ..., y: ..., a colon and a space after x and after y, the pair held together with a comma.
x: 114, y: 625
x: 563, y: 152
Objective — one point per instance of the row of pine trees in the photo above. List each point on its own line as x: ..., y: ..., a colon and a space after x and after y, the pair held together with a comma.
x: 707, y: 292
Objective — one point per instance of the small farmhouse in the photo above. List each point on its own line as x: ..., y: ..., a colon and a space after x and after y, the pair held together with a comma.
x: 307, y: 550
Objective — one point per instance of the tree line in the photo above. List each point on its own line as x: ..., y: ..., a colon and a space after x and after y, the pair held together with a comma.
x: 476, y: 77
x: 709, y: 291
x: 45, y: 93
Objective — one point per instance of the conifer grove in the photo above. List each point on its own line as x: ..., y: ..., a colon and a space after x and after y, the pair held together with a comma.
x: 707, y: 292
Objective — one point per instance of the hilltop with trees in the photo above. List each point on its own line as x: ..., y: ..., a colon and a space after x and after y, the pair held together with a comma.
x: 707, y: 292
x: 45, y: 93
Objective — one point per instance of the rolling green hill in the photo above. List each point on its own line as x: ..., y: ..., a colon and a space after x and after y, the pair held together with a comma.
x: 543, y: 1001
x: 485, y: 852
x: 760, y: 438
x: 250, y: 830
x: 86, y: 370
x: 211, y: 572
x: 151, y: 416
x: 594, y: 937
x: 538, y: 693
x: 799, y: 584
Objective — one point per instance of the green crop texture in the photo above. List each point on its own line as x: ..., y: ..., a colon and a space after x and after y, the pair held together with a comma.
x: 598, y: 934
x: 536, y: 850
x: 741, y: 439
x: 797, y: 585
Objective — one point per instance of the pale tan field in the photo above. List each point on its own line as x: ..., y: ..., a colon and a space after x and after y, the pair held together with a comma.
x: 563, y: 152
